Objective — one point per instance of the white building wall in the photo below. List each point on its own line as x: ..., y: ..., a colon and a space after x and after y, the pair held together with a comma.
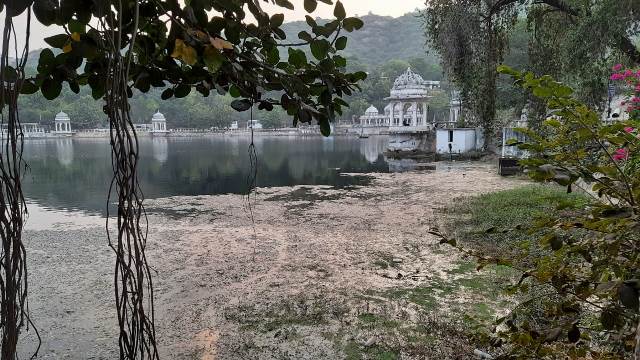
x: 464, y: 140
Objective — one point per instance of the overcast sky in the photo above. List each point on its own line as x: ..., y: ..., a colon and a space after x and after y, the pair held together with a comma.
x: 393, y: 8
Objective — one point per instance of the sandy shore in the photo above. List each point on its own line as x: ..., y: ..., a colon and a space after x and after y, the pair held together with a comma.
x: 293, y: 284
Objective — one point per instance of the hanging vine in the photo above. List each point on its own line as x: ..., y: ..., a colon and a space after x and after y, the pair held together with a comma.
x: 133, y: 284
x: 14, y: 308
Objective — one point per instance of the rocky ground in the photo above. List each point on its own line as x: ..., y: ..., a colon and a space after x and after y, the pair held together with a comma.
x: 320, y: 273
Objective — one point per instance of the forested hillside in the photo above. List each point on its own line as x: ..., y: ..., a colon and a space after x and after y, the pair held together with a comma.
x: 383, y: 38
x: 384, y: 48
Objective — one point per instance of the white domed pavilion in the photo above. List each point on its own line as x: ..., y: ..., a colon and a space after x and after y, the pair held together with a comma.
x: 62, y: 123
x: 409, y: 99
x: 158, y: 123
x: 408, y: 103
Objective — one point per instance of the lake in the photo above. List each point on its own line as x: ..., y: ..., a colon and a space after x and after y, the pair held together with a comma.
x: 74, y: 174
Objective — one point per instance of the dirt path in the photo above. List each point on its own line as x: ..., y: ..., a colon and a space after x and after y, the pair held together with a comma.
x: 310, y: 280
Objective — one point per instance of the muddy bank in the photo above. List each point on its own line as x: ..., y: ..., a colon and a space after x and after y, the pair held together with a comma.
x: 320, y: 273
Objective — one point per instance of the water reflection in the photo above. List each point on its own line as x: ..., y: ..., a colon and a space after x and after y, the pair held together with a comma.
x: 74, y: 174
x: 160, y: 149
x: 64, y: 151
x: 373, y: 148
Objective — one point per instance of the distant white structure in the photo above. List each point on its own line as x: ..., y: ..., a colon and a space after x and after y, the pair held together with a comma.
x: 509, y: 133
x: 458, y: 140
x: 617, y: 111
x: 234, y: 126
x: 254, y: 124
x: 158, y: 124
x: 408, y: 101
x: 408, y: 104
x: 455, y: 108
x: 62, y: 124
x: 372, y: 117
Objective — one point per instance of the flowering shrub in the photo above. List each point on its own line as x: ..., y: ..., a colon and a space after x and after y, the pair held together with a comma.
x: 590, y: 266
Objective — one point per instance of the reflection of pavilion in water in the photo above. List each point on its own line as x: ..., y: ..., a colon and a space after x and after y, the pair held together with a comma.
x: 160, y: 149
x: 372, y: 148
x: 64, y: 151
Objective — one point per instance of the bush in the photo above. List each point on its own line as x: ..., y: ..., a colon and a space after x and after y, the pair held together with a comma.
x: 592, y: 257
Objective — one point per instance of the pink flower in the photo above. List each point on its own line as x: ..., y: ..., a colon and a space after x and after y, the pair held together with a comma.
x: 620, y: 155
x: 628, y: 73
x: 629, y: 129
x: 617, y: 67
x: 617, y: 76
x: 635, y: 99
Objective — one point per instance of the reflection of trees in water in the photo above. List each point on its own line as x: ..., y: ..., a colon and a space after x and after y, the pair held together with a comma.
x: 190, y: 167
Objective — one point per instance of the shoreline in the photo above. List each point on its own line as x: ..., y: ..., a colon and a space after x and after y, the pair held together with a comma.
x: 308, y: 279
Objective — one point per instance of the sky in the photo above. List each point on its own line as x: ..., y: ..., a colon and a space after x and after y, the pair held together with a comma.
x: 393, y: 8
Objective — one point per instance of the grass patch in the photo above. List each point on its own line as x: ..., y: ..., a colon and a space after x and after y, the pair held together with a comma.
x: 490, y: 221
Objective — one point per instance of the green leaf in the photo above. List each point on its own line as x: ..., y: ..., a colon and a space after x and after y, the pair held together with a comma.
x: 310, y: 5
x: 339, y: 11
x: 320, y: 48
x: 45, y: 11
x: 276, y: 20
x: 97, y: 84
x: 352, y: 23
x: 182, y: 90
x: 57, y: 41
x: 29, y: 87
x: 542, y: 92
x: 76, y: 26
x: 167, y: 94
x: 234, y: 91
x: 341, y: 43
x: 51, y: 88
x: 504, y: 69
x: 241, y: 105
x: 297, y: 58
x: 285, y: 4
x: 325, y: 128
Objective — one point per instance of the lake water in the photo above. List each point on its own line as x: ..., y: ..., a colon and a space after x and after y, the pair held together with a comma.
x: 74, y: 174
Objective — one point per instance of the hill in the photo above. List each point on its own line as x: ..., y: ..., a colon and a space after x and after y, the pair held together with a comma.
x: 383, y: 38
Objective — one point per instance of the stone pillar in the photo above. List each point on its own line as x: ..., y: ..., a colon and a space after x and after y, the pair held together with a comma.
x: 425, y: 114
x: 414, y: 118
x: 401, y: 120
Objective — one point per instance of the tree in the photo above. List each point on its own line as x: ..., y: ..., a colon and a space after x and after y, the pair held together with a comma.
x: 118, y: 47
x: 471, y: 42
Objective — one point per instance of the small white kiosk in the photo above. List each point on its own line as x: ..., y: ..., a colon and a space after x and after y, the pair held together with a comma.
x: 62, y: 124
x: 158, y: 124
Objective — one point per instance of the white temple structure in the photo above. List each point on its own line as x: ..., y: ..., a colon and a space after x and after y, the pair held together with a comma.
x: 408, y: 104
x: 62, y: 124
x: 455, y: 109
x: 617, y: 110
x: 158, y: 124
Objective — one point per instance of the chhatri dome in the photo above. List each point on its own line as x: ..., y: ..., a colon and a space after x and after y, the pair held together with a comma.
x: 371, y: 111
x: 62, y: 116
x: 158, y: 116
x: 409, y: 85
